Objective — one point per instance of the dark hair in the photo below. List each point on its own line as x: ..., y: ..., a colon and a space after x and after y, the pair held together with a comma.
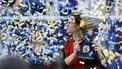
x: 77, y: 20
x: 77, y: 17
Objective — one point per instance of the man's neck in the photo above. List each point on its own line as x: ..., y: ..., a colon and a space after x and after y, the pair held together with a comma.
x: 78, y: 35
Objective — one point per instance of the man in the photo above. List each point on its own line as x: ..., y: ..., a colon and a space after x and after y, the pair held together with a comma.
x: 76, y: 27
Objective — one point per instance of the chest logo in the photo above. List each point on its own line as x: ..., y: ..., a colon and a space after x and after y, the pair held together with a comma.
x: 86, y: 48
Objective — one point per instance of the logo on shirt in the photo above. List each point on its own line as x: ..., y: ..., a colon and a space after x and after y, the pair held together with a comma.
x: 86, y: 48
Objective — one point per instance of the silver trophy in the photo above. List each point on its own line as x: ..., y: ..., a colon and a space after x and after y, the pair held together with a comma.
x: 87, y: 50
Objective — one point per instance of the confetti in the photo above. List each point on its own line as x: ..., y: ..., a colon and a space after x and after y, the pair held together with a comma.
x: 17, y: 30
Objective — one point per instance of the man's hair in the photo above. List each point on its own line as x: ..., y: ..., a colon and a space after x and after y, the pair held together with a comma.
x: 77, y: 17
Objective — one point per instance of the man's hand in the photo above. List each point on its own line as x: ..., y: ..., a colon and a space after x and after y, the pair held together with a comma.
x: 96, y: 46
x: 76, y: 46
x: 98, y: 49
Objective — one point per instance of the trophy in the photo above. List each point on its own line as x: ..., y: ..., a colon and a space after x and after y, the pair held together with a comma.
x: 87, y: 50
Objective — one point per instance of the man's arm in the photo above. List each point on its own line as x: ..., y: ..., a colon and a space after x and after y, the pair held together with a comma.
x: 71, y: 57
x: 98, y: 49
x: 104, y: 55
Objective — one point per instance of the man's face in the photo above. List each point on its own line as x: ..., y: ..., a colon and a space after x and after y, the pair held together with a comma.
x: 71, y: 26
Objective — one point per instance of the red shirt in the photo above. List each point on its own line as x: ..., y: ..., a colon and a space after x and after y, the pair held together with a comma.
x: 68, y: 48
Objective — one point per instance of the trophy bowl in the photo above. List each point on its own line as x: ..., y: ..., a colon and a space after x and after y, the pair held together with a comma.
x: 87, y: 51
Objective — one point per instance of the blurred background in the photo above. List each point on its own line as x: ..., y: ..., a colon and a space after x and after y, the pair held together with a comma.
x: 20, y: 18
